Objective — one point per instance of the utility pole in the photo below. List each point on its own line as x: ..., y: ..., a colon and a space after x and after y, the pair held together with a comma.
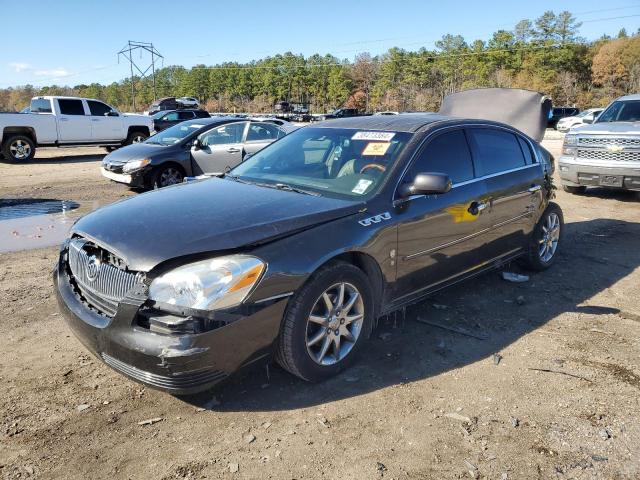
x: 127, y: 52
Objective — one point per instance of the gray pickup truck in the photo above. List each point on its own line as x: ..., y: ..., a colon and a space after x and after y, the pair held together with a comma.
x: 605, y: 153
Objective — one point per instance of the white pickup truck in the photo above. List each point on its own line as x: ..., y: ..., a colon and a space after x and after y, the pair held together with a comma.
x: 68, y: 121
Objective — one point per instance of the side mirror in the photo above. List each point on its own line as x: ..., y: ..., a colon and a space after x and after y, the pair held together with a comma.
x: 427, y: 183
x: 112, y: 113
x: 588, y: 119
x: 197, y: 144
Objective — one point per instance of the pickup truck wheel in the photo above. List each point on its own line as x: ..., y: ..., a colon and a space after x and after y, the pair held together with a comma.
x: 579, y: 190
x: 326, y: 323
x: 19, y: 148
x: 166, y: 176
x: 545, y: 239
x: 136, y: 137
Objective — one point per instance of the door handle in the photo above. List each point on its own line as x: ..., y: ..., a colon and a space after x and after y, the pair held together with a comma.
x: 476, y: 207
x: 233, y: 150
x: 535, y: 188
x: 95, y: 119
x: 64, y: 119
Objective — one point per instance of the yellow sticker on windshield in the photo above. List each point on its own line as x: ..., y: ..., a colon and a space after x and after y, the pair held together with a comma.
x: 376, y: 148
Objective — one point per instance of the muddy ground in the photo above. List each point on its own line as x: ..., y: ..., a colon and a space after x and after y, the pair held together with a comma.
x: 547, y: 387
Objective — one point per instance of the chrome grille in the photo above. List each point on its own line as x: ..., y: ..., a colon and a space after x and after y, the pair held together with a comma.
x: 597, y: 154
x: 101, y: 284
x: 604, y: 141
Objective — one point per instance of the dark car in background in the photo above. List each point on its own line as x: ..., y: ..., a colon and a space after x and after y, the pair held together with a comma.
x: 172, y: 103
x: 296, y: 252
x: 166, y: 119
x: 339, y: 113
x: 205, y: 146
x: 558, y: 113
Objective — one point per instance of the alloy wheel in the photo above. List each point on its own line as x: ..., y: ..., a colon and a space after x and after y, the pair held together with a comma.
x: 548, y: 244
x: 334, y: 324
x: 170, y: 176
x: 138, y: 139
x: 20, y: 149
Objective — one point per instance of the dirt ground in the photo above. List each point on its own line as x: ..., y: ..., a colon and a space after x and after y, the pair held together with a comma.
x: 547, y: 387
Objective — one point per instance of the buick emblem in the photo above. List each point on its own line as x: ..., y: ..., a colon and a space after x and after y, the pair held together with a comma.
x: 93, y: 268
x: 615, y: 148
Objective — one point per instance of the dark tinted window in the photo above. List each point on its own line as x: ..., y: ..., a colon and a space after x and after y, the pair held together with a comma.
x: 71, y: 107
x: 202, y: 114
x: 98, y: 108
x: 526, y: 150
x: 185, y: 115
x: 40, y: 105
x: 262, y: 132
x: 447, y: 153
x: 621, y: 111
x: 495, y: 151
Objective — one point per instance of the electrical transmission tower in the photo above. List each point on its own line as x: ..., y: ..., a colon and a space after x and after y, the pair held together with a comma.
x: 127, y: 52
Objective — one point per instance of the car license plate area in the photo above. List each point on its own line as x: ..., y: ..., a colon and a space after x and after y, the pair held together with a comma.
x: 611, y: 180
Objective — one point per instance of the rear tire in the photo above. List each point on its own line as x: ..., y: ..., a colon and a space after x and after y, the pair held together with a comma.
x: 19, y: 148
x: 545, y: 239
x: 577, y: 190
x: 136, y: 136
x: 316, y: 341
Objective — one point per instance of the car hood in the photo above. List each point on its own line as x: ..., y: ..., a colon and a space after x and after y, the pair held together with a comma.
x: 609, y: 128
x: 200, y: 217
x: 134, y: 151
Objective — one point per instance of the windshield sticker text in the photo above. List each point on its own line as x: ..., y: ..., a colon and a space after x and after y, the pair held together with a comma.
x: 379, y: 136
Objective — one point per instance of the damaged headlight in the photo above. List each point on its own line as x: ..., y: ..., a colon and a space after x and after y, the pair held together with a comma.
x: 209, y: 284
x: 135, y: 165
x: 569, y: 145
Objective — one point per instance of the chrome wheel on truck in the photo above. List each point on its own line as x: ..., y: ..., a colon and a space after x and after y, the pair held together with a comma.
x: 19, y: 148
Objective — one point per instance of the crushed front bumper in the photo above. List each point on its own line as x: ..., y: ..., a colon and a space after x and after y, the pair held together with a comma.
x: 179, y: 364
x: 133, y: 179
x: 577, y: 172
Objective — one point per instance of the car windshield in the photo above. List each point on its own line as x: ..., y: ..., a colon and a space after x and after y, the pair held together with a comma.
x: 337, y: 162
x: 174, y: 134
x: 621, y: 111
x: 157, y: 115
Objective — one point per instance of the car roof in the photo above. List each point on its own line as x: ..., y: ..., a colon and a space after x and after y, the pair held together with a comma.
x: 404, y: 122
x: 635, y: 96
x: 212, y: 120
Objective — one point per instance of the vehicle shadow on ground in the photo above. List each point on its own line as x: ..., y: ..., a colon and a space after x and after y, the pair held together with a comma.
x: 596, y: 254
x: 612, y: 194
x: 67, y: 159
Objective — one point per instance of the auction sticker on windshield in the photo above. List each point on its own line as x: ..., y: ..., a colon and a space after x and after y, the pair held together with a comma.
x: 379, y: 136
x: 376, y: 148
x: 361, y: 186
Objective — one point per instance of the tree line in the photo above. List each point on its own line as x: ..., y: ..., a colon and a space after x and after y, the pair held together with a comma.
x: 545, y: 55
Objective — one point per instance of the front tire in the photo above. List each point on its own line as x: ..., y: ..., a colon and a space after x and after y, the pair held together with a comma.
x: 576, y: 190
x: 545, y: 240
x: 167, y: 175
x: 326, y: 323
x: 19, y: 148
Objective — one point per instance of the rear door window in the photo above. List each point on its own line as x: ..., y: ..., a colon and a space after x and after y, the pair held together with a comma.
x: 70, y: 106
x: 171, y: 117
x: 262, y: 132
x: 495, y: 151
x: 447, y: 153
x: 185, y: 115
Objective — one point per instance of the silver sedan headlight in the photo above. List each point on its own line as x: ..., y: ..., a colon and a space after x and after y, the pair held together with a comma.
x: 212, y: 284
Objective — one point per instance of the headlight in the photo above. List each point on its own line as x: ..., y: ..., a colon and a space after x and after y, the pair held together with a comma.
x: 135, y: 165
x: 569, y: 145
x: 209, y: 284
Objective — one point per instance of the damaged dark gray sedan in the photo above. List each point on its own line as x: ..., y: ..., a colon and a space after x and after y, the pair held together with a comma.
x: 294, y: 253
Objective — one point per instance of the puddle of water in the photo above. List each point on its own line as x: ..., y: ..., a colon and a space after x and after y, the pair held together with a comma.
x: 26, y: 224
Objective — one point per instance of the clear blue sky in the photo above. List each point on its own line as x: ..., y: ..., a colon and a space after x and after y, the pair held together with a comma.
x: 73, y: 41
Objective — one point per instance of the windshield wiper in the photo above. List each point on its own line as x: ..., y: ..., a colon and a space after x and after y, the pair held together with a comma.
x: 289, y: 188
